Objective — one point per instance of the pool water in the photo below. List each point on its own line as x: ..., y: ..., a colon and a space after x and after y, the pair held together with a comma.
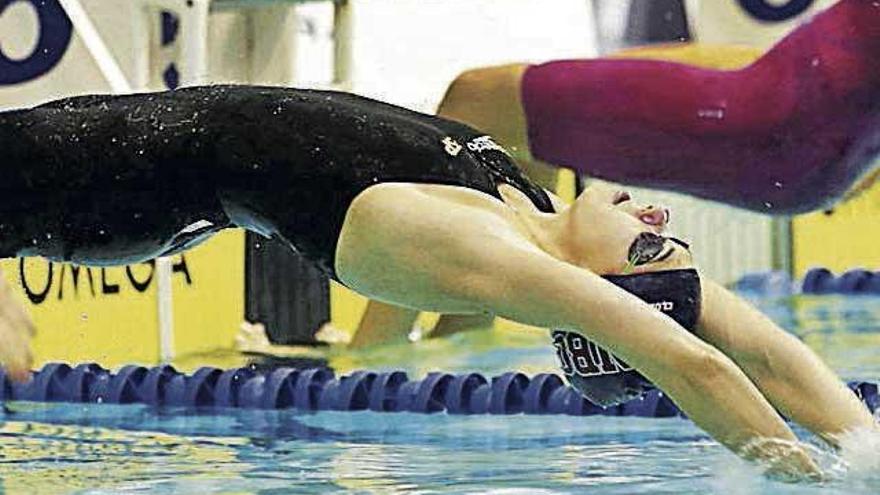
x: 67, y: 448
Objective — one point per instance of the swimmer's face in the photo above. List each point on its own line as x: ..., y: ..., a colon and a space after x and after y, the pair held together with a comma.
x: 616, y: 234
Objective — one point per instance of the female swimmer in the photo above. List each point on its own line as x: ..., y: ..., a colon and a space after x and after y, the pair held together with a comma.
x: 402, y: 207
x: 790, y: 133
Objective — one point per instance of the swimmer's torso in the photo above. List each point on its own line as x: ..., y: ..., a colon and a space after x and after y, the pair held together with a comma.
x: 106, y: 179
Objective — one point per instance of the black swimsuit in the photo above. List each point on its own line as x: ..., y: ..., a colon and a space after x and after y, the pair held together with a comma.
x: 116, y: 179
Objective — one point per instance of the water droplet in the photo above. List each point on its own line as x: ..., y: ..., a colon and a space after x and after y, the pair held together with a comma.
x: 711, y: 113
x: 99, y: 400
x: 768, y: 204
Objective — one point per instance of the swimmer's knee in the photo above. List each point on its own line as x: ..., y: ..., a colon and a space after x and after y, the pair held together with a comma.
x: 480, y: 83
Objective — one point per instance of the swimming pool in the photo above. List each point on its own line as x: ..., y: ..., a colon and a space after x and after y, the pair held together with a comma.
x: 62, y: 448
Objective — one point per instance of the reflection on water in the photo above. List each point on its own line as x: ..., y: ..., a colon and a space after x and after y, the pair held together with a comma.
x: 63, y: 448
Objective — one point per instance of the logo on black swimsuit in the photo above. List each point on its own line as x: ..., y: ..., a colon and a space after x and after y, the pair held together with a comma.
x: 582, y: 357
x: 485, y: 143
x: 451, y: 146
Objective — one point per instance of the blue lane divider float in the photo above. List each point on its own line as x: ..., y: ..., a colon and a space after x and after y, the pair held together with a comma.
x: 856, y: 281
x: 314, y: 389
x: 816, y: 281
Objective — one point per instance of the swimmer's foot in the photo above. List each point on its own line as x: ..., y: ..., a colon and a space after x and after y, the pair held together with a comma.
x: 252, y: 339
x: 329, y: 334
x: 16, y: 331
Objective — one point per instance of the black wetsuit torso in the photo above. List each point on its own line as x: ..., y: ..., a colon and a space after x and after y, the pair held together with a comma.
x: 114, y: 179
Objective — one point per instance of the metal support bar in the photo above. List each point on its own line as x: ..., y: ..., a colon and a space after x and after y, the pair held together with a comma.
x: 194, y: 47
x: 782, y: 251
x: 342, y: 46
x: 165, y: 308
x: 96, y: 46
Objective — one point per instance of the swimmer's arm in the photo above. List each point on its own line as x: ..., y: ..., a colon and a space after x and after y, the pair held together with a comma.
x: 706, y: 384
x: 792, y: 377
x: 451, y: 257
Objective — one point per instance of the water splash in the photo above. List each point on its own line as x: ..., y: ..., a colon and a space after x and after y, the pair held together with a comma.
x: 860, y: 455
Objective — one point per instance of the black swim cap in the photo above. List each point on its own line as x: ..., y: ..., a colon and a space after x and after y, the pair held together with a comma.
x: 605, y: 379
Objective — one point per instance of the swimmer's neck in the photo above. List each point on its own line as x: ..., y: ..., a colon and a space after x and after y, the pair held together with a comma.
x: 551, y: 232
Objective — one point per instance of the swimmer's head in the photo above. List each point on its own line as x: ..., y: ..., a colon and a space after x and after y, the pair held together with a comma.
x: 610, y: 232
x: 607, y: 380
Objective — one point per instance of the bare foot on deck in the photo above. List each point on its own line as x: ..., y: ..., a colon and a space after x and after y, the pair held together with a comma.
x: 252, y: 338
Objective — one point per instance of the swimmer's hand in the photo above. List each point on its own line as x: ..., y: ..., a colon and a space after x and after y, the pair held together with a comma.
x: 784, y: 460
x: 16, y: 331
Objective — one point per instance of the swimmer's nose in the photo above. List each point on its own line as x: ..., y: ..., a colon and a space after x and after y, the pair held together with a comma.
x: 658, y: 217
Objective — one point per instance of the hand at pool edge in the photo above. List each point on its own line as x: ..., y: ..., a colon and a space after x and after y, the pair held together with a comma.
x: 16, y: 331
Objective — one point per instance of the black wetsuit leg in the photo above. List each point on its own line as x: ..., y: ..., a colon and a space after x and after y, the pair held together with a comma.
x: 104, y: 180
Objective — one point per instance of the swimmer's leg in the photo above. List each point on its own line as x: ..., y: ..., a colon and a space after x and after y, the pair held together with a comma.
x: 706, y: 132
x: 786, y: 371
x: 488, y: 99
x: 383, y: 323
x: 388, y: 324
x: 402, y: 244
x: 452, y: 324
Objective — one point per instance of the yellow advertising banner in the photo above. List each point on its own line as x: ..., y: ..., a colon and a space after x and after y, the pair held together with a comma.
x: 109, y: 315
x: 840, y: 239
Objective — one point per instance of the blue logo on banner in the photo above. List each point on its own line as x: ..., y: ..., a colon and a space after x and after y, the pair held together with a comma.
x: 768, y: 12
x: 55, y: 32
